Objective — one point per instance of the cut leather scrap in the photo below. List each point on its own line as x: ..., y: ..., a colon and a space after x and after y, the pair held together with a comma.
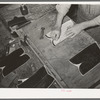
x: 87, y: 58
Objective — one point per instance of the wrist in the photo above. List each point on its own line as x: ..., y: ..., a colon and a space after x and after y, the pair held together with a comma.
x: 59, y: 20
x: 82, y: 25
x: 56, y: 27
x: 87, y: 24
x: 90, y: 23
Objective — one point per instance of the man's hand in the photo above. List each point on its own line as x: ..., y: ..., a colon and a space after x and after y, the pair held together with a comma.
x: 76, y: 29
x: 55, y: 33
x: 62, y: 10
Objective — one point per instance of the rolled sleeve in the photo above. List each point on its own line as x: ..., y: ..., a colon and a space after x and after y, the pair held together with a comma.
x: 97, y: 20
x: 63, y: 8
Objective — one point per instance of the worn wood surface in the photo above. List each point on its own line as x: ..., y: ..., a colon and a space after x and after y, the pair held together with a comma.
x: 58, y: 56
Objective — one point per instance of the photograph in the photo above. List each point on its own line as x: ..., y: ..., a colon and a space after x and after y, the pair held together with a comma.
x: 52, y: 45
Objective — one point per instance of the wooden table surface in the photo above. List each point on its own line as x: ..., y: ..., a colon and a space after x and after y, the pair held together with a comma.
x: 58, y: 56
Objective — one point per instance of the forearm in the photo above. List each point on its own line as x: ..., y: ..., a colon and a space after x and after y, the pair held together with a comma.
x: 62, y: 11
x: 59, y: 20
x: 90, y: 23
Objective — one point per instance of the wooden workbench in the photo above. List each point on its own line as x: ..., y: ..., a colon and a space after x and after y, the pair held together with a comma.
x: 57, y: 57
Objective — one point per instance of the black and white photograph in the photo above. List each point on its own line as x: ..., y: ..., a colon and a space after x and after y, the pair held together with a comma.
x: 50, y: 46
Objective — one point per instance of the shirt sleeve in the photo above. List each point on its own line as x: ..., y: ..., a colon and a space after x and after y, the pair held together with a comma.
x: 97, y: 20
x: 63, y: 8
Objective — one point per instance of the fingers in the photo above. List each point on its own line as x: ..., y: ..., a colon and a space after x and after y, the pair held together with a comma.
x: 73, y: 35
x: 55, y: 35
x: 52, y: 35
x: 70, y: 34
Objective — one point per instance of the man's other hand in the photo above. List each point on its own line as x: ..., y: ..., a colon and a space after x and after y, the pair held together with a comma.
x: 76, y: 29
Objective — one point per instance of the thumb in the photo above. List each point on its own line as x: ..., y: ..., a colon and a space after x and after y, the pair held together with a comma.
x: 57, y: 35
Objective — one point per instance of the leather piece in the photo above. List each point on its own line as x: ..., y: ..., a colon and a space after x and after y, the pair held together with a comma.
x: 14, y: 55
x: 87, y: 58
x: 15, y: 64
x: 34, y: 79
x: 17, y: 21
x: 13, y: 61
x: 39, y: 80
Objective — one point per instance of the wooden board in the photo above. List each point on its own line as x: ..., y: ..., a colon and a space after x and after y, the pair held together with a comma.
x: 58, y: 56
